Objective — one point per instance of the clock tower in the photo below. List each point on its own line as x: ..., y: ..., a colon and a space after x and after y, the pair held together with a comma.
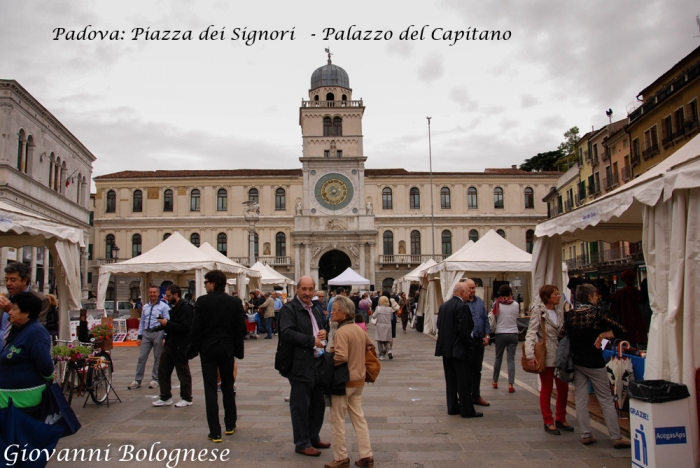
x: 334, y: 222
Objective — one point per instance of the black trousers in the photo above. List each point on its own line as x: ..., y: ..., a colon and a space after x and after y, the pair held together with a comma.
x: 218, y: 359
x: 307, y: 406
x: 168, y: 362
x: 458, y: 386
x: 477, y: 361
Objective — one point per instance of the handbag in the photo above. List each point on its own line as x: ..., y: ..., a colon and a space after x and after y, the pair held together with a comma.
x: 492, y: 322
x: 372, y: 365
x: 55, y: 410
x: 373, y: 320
x: 540, y: 353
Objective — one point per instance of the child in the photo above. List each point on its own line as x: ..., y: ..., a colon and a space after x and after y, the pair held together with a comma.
x: 360, y: 322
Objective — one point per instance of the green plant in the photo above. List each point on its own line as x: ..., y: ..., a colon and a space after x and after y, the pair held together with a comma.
x: 67, y: 352
x: 103, y: 331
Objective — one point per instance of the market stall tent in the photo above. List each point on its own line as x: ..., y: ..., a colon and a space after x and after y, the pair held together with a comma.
x: 349, y: 278
x: 403, y: 284
x: 175, y: 255
x: 662, y: 209
x: 268, y: 276
x: 251, y: 275
x: 19, y: 228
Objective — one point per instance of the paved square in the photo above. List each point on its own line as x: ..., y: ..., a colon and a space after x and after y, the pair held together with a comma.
x: 405, y: 410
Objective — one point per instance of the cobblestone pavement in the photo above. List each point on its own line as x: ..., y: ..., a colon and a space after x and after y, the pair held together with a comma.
x: 405, y: 410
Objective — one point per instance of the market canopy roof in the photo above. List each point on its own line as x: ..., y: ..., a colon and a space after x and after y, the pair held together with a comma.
x: 441, y: 266
x: 349, y: 278
x: 217, y: 256
x: 415, y: 274
x: 268, y: 275
x: 491, y: 253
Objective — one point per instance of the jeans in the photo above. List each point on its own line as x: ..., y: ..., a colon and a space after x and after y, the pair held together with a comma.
x: 503, y: 341
x: 268, y: 325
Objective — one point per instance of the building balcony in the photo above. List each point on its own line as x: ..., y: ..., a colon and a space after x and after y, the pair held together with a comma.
x: 569, y: 205
x: 691, y: 126
x: 651, y: 151
x: 332, y: 103
x: 594, y: 160
x: 404, y: 259
x: 107, y: 261
x: 275, y: 261
x: 605, y: 155
x: 626, y: 173
x: 245, y: 261
x: 634, y: 158
x: 615, y: 258
x: 612, y: 181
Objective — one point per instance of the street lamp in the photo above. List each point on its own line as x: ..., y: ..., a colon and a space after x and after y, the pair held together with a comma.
x: 432, y: 213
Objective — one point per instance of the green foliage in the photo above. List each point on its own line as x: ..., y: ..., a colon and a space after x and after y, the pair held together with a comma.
x: 559, y: 160
x: 542, y: 162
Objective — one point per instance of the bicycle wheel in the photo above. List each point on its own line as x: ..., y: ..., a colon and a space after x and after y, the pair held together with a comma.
x: 70, y: 383
x: 99, y: 385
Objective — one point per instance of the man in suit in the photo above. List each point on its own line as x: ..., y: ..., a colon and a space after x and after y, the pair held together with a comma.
x: 454, y: 344
x: 217, y: 335
x: 301, y: 331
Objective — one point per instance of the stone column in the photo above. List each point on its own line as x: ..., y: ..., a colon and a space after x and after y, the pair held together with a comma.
x: 84, y: 272
x: 297, y: 263
x: 362, y: 260
x: 307, y: 259
x: 372, y: 260
x: 251, y: 244
x: 3, y: 263
x: 32, y: 266
x: 46, y: 271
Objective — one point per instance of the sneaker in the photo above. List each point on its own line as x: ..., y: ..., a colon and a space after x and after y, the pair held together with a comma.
x: 230, y: 431
x: 183, y: 403
x: 160, y: 402
x: 153, y: 384
x: 215, y: 438
x: 391, y: 356
x: 134, y: 384
x: 381, y: 357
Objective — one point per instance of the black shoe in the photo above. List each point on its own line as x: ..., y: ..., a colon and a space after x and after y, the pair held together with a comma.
x: 563, y: 427
x: 476, y: 414
x: 549, y: 430
x: 215, y: 438
x: 268, y: 337
x: 230, y: 431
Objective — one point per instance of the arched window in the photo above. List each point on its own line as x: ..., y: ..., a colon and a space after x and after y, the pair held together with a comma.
x: 473, y: 235
x: 445, y: 202
x: 280, y: 199
x: 446, y: 243
x: 501, y: 233
x: 168, y: 200
x: 21, y: 142
x: 414, y: 198
x: 327, y: 126
x: 472, y: 199
x: 498, y: 198
x: 330, y: 97
x: 137, y: 203
x: 280, y: 245
x: 387, y: 284
x: 388, y: 243
x: 194, y: 200
x: 166, y: 235
x: 529, y: 198
x: 109, y: 245
x: 111, y: 202
x: 529, y: 240
x: 221, y: 245
x: 222, y: 200
x: 194, y: 239
x: 135, y: 245
x: 253, y: 195
x: 415, y: 243
x: 387, y: 199
x: 337, y: 126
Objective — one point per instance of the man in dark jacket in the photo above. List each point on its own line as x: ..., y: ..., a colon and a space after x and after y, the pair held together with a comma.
x: 302, y: 335
x: 454, y: 344
x: 174, y: 355
x: 218, y: 329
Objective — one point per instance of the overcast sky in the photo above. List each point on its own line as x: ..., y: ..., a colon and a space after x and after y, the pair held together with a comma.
x: 147, y: 104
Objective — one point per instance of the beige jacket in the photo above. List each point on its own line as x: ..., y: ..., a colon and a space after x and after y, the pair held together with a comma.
x: 349, y: 344
x: 269, y: 307
x: 534, y: 333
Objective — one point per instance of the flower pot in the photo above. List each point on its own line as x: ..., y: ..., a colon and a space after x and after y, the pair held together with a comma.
x: 106, y: 344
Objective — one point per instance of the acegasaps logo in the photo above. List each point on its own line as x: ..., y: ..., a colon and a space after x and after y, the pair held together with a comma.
x: 671, y: 435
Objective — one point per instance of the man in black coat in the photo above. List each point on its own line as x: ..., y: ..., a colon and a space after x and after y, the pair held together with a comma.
x: 454, y: 344
x: 174, y: 354
x: 301, y: 336
x: 218, y: 329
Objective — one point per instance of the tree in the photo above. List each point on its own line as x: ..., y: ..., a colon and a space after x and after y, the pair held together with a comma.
x: 568, y: 148
x: 542, y: 162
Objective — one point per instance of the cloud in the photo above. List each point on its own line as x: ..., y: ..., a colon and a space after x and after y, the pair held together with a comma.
x: 431, y: 69
x: 460, y: 95
x: 528, y: 100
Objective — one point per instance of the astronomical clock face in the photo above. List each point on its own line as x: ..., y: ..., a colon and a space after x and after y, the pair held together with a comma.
x: 333, y: 192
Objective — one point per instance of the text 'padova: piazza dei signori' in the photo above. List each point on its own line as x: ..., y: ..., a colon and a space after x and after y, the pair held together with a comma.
x: 327, y: 215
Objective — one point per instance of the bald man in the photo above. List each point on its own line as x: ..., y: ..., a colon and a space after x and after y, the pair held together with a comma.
x: 480, y: 336
x: 301, y: 336
x: 455, y: 345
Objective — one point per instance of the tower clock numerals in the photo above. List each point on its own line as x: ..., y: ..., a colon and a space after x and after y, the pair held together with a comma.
x: 334, y: 191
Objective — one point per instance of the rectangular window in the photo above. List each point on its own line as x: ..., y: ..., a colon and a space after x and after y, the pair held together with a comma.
x: 92, y: 218
x: 89, y: 251
x: 326, y: 154
x: 339, y: 153
x: 597, y: 182
x: 89, y: 277
x: 625, y: 143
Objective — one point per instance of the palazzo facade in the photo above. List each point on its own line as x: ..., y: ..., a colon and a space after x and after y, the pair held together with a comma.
x: 330, y: 214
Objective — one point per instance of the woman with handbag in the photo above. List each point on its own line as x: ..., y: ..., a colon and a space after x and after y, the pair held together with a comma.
x: 505, y: 314
x: 546, y: 314
x: 349, y: 347
x: 587, y: 326
x: 382, y: 332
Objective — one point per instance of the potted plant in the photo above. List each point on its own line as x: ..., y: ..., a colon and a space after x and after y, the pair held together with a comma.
x: 70, y: 352
x: 103, y: 334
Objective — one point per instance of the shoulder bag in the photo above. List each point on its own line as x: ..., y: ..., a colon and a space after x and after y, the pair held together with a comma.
x: 372, y: 365
x: 540, y: 353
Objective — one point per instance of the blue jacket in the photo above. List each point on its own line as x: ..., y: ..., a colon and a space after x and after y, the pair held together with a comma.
x: 25, y: 360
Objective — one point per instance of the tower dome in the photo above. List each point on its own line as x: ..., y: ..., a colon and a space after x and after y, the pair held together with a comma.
x: 330, y: 75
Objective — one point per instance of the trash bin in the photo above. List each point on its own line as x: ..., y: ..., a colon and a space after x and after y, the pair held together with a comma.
x: 419, y: 323
x: 660, y: 424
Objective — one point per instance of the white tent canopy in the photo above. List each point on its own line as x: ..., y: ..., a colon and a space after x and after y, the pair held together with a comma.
x: 268, y: 275
x: 174, y: 255
x: 662, y: 209
x: 404, y: 283
x: 19, y: 228
x: 349, y: 278
x: 248, y: 273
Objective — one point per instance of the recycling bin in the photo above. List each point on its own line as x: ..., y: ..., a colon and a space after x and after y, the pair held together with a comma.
x: 660, y: 424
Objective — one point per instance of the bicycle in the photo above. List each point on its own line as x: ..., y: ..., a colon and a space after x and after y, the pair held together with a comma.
x: 92, y: 375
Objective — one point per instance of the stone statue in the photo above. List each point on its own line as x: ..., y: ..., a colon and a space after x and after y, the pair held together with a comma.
x: 298, y: 208
x: 251, y: 210
x: 369, y: 207
x: 353, y: 250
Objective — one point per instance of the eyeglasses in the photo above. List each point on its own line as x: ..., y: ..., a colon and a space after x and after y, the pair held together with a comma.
x: 207, y: 282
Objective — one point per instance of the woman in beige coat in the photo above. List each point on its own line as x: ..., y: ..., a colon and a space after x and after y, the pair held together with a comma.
x: 554, y: 321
